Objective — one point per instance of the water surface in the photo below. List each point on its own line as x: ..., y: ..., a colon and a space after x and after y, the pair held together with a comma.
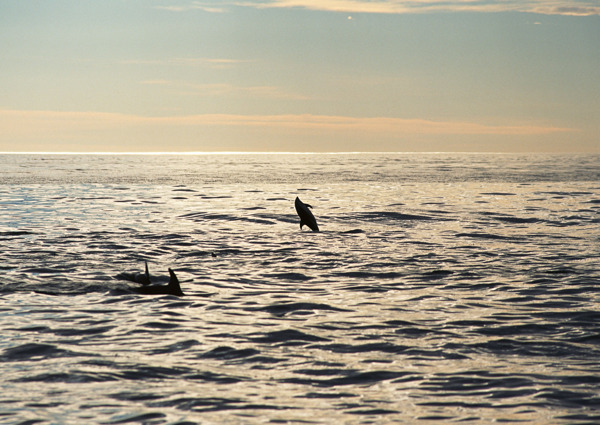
x: 443, y: 288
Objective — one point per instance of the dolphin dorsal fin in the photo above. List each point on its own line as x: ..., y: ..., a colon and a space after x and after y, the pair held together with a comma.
x: 147, y: 273
x: 174, y: 283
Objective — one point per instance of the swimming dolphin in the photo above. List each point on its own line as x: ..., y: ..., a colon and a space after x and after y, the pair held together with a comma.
x: 143, y: 279
x: 172, y: 288
x: 306, y: 217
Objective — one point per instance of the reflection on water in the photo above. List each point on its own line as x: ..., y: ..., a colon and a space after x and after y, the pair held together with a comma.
x: 441, y: 289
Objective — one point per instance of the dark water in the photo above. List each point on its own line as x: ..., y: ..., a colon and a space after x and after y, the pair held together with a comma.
x: 441, y: 289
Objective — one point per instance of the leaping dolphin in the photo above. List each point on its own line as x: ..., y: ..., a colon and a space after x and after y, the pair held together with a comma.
x: 306, y: 216
x: 172, y: 288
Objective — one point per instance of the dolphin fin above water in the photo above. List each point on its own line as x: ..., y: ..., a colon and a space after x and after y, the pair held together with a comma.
x: 306, y: 216
x: 143, y: 279
x: 146, y: 278
x: 173, y: 288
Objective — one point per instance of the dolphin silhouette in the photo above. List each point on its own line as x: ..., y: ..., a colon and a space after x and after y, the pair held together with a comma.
x: 306, y: 216
x: 143, y: 279
x: 172, y: 288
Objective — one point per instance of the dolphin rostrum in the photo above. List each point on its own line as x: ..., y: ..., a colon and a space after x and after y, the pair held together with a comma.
x: 306, y: 216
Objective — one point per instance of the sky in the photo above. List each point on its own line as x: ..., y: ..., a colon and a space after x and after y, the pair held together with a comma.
x: 300, y: 76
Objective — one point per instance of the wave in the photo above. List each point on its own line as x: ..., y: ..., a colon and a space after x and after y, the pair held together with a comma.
x: 390, y: 215
x: 483, y: 235
x: 353, y: 378
x: 34, y: 352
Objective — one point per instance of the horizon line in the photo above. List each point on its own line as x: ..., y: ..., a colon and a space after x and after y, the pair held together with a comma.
x: 299, y: 153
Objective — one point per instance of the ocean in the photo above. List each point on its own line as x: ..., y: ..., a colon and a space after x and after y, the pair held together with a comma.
x: 442, y: 288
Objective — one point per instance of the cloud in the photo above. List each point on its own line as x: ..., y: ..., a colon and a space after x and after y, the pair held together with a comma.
x: 568, y: 10
x: 56, y: 131
x: 548, y: 7
x: 544, y: 7
x: 375, y: 125
x: 156, y: 82
x: 224, y: 89
x: 14, y: 123
x: 216, y: 63
x: 209, y: 7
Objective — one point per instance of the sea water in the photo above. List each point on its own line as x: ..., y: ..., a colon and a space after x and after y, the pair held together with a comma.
x: 442, y: 288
